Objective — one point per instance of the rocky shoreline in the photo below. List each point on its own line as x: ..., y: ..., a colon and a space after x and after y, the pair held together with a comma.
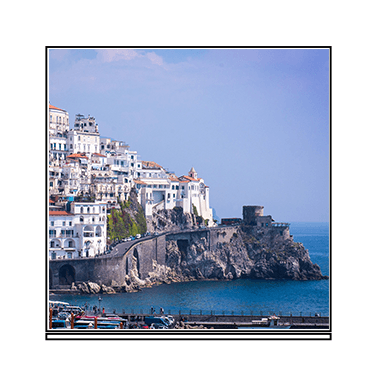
x: 240, y: 252
x: 251, y: 253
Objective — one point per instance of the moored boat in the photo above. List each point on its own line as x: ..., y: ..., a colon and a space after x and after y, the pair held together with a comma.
x: 270, y: 323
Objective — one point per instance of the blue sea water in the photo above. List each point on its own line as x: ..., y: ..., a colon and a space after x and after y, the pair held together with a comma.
x: 247, y: 296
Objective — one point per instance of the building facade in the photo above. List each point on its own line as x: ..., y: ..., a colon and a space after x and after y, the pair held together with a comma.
x: 79, y: 232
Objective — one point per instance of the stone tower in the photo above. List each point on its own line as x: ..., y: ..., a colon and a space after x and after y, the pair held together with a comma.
x: 193, y: 174
x: 250, y: 213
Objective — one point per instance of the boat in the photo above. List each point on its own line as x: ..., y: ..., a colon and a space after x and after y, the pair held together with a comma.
x: 270, y: 323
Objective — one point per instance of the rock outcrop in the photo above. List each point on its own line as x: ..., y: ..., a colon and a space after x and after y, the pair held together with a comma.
x: 171, y: 220
x: 251, y: 253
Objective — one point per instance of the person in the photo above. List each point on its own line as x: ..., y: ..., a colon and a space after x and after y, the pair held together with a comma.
x: 151, y: 309
x: 103, y: 311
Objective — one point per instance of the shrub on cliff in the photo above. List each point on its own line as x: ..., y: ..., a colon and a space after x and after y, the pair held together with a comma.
x: 129, y: 220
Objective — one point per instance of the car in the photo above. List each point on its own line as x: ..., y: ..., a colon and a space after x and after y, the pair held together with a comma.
x: 158, y: 326
x: 170, y: 319
x: 138, y: 236
x: 156, y: 233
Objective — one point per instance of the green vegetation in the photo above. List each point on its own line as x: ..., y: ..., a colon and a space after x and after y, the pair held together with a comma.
x: 195, y: 210
x: 124, y: 222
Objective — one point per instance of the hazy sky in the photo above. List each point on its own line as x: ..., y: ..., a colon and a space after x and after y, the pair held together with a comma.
x: 254, y: 123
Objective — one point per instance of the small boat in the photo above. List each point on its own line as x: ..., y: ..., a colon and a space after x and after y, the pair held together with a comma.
x: 59, y: 323
x: 270, y: 323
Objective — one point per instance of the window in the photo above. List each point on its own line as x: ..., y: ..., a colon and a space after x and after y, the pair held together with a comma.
x: 63, y: 223
x: 52, y: 223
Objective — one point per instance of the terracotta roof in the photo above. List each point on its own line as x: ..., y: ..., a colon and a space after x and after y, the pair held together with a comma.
x: 173, y: 178
x: 77, y: 155
x: 150, y: 164
x: 98, y: 154
x: 186, y: 177
x: 54, y: 108
x: 59, y: 213
x: 139, y: 182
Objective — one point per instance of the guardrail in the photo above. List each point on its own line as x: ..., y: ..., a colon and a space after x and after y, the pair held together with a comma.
x: 280, y: 224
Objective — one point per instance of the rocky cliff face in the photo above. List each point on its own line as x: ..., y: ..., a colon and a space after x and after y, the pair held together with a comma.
x: 251, y: 254
x: 171, y: 220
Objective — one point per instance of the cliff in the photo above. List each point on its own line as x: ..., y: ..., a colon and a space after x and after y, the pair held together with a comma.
x: 251, y: 253
x: 222, y: 253
x: 171, y: 220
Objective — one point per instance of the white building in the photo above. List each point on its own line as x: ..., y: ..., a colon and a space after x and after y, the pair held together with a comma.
x: 84, y: 137
x: 158, y: 189
x: 194, y: 195
x: 58, y: 130
x: 81, y: 232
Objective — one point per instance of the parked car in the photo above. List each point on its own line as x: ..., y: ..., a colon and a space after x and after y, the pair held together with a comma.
x: 138, y: 236
x: 158, y: 326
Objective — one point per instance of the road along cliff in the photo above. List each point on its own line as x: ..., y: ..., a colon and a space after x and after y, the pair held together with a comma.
x: 240, y: 251
x: 245, y: 252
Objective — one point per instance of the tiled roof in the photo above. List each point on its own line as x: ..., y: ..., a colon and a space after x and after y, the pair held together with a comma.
x: 54, y: 108
x: 186, y: 177
x: 139, y: 182
x: 59, y: 213
x: 150, y: 165
x: 173, y: 178
x: 78, y: 155
x: 98, y: 154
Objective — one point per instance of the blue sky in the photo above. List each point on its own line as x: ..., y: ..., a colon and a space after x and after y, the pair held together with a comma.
x: 253, y: 122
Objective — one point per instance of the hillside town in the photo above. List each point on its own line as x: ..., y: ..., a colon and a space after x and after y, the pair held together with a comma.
x: 89, y: 175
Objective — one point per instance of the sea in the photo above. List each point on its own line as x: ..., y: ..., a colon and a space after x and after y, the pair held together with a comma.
x: 243, y: 296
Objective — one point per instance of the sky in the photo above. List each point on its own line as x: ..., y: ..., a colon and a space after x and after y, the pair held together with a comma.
x: 254, y: 123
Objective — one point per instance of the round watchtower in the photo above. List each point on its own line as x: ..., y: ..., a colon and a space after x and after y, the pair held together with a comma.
x: 250, y: 213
